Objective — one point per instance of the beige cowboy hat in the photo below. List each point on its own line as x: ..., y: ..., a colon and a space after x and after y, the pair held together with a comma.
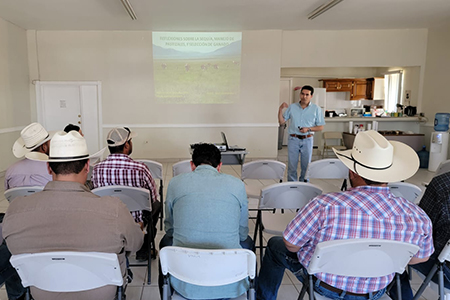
x: 377, y: 159
x: 30, y: 138
x: 64, y: 147
x: 119, y: 136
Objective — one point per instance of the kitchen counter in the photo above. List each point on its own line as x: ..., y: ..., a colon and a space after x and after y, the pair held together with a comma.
x: 371, y: 119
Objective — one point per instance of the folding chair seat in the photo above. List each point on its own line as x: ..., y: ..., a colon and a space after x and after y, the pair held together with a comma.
x: 330, y: 168
x: 13, y: 193
x: 68, y: 271
x: 135, y: 199
x: 207, y: 268
x: 406, y: 190
x: 288, y: 197
x: 181, y: 167
x: 358, y: 258
x: 156, y: 169
x: 335, y: 136
x: 443, y: 292
x: 261, y: 170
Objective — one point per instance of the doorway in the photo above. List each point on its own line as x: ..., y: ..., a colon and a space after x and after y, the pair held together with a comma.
x: 79, y: 103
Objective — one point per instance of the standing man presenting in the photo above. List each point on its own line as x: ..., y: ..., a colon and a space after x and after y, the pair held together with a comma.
x: 306, y: 118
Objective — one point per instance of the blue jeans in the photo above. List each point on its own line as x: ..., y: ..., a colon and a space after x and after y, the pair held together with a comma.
x: 276, y: 259
x: 8, y: 274
x: 168, y: 241
x: 303, y: 147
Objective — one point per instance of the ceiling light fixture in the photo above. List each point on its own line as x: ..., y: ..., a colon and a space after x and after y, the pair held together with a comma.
x: 323, y: 8
x: 126, y: 4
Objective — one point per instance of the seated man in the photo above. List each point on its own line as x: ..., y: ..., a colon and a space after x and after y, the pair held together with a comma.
x: 71, y: 127
x: 436, y: 203
x: 208, y: 210
x: 27, y: 172
x: 368, y: 210
x: 66, y: 216
x: 120, y: 169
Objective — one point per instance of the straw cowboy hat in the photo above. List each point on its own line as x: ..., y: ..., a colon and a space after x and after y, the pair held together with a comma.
x: 375, y: 158
x: 30, y: 138
x: 64, y: 147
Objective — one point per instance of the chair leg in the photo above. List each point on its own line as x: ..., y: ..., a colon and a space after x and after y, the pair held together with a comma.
x: 311, y: 288
x: 441, y: 282
x: 398, y: 286
x: 425, y: 283
x: 27, y: 294
x: 151, y: 246
x: 119, y: 293
x: 261, y: 249
x: 303, y: 291
x: 161, y: 216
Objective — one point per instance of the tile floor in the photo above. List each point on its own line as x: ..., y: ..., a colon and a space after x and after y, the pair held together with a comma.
x: 290, y: 287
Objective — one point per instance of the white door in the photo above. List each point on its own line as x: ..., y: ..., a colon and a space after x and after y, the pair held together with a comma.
x: 61, y: 103
x: 285, y: 96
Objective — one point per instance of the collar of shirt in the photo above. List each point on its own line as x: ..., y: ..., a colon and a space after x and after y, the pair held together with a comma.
x: 71, y: 186
x: 372, y: 189
x: 119, y: 156
x: 205, y: 168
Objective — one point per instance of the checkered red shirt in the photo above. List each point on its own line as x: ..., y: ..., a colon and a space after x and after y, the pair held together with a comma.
x: 362, y: 212
x: 120, y: 169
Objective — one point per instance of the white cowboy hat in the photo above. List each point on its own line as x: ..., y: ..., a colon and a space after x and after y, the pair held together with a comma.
x: 30, y: 138
x: 377, y: 159
x: 64, y: 147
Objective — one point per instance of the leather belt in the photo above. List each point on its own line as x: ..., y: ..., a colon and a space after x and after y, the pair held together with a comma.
x: 301, y: 136
x: 339, y: 291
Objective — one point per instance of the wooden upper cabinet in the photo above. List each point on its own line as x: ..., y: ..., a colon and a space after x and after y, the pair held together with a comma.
x: 359, y: 89
x: 338, y: 85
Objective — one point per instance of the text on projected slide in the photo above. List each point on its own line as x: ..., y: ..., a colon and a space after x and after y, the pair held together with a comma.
x: 197, y: 67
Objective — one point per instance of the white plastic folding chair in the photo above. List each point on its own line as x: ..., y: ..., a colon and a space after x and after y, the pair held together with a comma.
x: 358, y: 258
x: 261, y: 170
x: 288, y: 197
x: 13, y: 193
x: 330, y: 168
x: 443, y: 257
x: 135, y: 199
x: 409, y: 191
x: 156, y: 169
x: 68, y: 271
x: 444, y: 167
x: 207, y: 268
x: 181, y: 167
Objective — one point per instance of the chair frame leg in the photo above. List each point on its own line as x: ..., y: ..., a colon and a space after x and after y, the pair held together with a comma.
x: 441, y: 282
x: 425, y: 283
x: 27, y: 293
x: 161, y: 198
x: 398, y: 286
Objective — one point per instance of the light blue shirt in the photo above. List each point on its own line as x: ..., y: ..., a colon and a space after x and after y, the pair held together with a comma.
x: 208, y: 210
x: 311, y: 116
x: 27, y: 172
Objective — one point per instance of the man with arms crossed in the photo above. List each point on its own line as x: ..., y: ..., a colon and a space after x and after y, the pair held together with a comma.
x: 368, y: 210
x: 66, y: 216
x: 208, y: 210
x: 306, y: 118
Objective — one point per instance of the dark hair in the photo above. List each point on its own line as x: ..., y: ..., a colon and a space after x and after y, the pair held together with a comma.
x: 117, y: 149
x: 71, y: 127
x: 309, y: 88
x: 371, y: 182
x: 69, y: 167
x: 206, y: 154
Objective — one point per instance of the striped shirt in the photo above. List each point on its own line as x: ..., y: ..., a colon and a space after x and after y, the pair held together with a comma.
x: 120, y: 169
x: 362, y: 212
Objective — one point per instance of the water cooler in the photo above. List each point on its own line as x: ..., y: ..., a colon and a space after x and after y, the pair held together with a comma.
x: 439, y: 141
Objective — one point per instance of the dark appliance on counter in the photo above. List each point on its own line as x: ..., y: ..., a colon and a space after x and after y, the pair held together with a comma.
x: 410, y: 111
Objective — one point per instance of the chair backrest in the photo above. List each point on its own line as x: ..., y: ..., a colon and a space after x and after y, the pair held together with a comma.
x: 263, y: 169
x: 330, y: 168
x: 13, y: 193
x: 361, y: 257
x: 333, y: 135
x: 405, y: 190
x: 208, y: 267
x: 288, y: 195
x: 155, y: 168
x: 97, y: 156
x: 134, y: 198
x: 68, y: 271
x: 181, y: 167
x: 444, y: 167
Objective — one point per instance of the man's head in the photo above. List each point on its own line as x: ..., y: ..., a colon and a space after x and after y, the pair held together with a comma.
x: 32, y: 138
x: 206, y: 154
x: 377, y: 160
x: 71, y: 127
x: 68, y: 158
x: 119, y: 140
x: 306, y: 94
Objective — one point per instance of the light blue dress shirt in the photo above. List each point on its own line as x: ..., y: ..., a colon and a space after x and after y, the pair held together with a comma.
x: 311, y: 116
x: 209, y: 210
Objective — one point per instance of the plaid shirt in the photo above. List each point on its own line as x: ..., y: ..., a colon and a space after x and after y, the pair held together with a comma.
x: 436, y: 203
x: 120, y: 169
x: 362, y: 212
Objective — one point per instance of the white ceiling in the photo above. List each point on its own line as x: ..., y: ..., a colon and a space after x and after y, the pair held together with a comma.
x: 224, y: 15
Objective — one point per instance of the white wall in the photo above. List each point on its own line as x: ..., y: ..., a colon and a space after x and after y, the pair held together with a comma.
x: 14, y: 96
x: 122, y: 61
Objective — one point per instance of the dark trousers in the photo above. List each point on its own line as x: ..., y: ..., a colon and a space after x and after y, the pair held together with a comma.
x: 8, y: 274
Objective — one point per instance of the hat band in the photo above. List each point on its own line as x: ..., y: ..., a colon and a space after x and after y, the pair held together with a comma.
x: 363, y: 165
x: 31, y: 147
x: 69, y: 157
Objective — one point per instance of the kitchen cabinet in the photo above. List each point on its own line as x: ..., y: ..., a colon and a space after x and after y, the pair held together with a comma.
x: 375, y: 88
x: 338, y: 85
x: 359, y: 89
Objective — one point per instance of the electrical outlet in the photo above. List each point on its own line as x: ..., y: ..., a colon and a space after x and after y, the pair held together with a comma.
x: 407, y: 94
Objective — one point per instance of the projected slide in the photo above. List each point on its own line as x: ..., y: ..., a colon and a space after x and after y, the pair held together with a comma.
x: 197, y: 67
